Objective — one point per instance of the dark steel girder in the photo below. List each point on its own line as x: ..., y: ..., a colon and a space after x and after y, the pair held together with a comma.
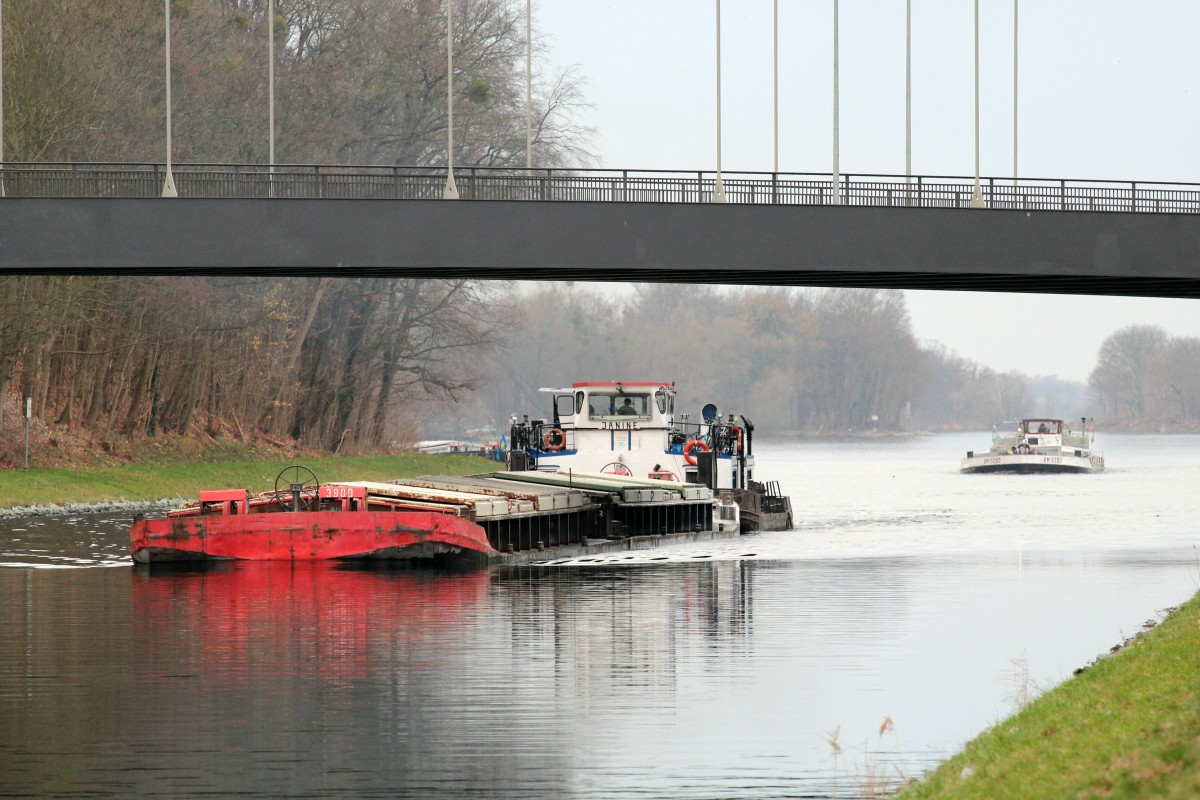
x: 1070, y: 252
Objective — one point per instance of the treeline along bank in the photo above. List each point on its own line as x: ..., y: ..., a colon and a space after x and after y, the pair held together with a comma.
x: 337, y: 364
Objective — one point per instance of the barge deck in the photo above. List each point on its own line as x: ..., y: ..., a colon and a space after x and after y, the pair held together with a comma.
x: 491, y: 518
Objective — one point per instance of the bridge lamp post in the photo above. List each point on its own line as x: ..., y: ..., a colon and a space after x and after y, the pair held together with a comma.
x: 271, y: 93
x: 1015, y: 54
x: 169, y: 183
x: 775, y: 55
x: 718, y: 195
x: 1, y: 98
x: 977, y: 194
x: 837, y: 178
x: 908, y: 93
x: 451, y: 191
x: 529, y: 87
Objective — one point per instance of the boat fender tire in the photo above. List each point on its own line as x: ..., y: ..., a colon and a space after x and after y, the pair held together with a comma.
x: 692, y: 445
x: 554, y: 439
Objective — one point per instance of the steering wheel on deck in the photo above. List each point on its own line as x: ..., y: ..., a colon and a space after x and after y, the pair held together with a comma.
x: 296, y: 488
x: 617, y: 468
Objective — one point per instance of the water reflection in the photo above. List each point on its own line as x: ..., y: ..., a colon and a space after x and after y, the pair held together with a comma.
x: 269, y: 679
x: 292, y: 678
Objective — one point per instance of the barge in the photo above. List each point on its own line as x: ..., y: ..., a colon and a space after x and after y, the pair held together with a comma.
x: 491, y: 518
x: 613, y: 469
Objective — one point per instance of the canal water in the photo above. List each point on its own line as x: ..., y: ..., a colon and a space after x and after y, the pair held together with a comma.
x: 912, y: 608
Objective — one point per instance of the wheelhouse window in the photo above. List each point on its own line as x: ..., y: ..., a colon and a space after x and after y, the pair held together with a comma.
x: 564, y: 405
x: 615, y: 405
x: 665, y: 402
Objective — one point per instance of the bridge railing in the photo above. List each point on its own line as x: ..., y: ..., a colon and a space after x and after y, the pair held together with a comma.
x: 598, y: 185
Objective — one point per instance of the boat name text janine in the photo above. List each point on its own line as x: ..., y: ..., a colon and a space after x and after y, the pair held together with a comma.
x: 616, y: 425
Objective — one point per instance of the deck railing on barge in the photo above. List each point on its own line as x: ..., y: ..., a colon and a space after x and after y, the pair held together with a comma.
x: 606, y: 519
x: 540, y: 531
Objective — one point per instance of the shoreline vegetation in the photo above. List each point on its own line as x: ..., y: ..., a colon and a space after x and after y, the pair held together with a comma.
x: 1126, y: 726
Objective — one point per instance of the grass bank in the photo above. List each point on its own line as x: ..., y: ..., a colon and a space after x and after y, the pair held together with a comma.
x: 1128, y: 727
x: 156, y: 481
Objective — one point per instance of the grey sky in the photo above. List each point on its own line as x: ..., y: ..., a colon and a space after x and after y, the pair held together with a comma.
x: 1109, y: 89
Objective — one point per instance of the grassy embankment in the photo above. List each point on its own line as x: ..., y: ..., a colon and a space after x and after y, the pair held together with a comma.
x: 156, y: 481
x: 1127, y: 727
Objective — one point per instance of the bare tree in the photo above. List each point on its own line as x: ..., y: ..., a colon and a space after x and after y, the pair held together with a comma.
x: 1172, y: 382
x: 1119, y: 378
x: 870, y: 366
x: 357, y: 82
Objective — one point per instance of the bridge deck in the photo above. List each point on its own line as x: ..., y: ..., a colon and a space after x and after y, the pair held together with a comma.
x: 776, y: 243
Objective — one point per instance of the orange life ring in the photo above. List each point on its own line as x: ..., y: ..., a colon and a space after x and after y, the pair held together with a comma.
x: 554, y: 439
x: 687, y: 450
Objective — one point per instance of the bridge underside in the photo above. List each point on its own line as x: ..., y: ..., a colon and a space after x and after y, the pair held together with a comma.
x: 1069, y: 252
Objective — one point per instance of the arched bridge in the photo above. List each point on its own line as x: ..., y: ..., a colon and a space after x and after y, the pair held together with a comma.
x: 1087, y: 237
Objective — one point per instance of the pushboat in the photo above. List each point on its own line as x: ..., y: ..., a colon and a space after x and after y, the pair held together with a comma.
x: 1039, y: 445
x: 632, y: 429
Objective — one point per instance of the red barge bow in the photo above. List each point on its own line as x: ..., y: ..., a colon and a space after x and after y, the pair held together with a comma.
x: 309, y: 523
x: 307, y: 536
